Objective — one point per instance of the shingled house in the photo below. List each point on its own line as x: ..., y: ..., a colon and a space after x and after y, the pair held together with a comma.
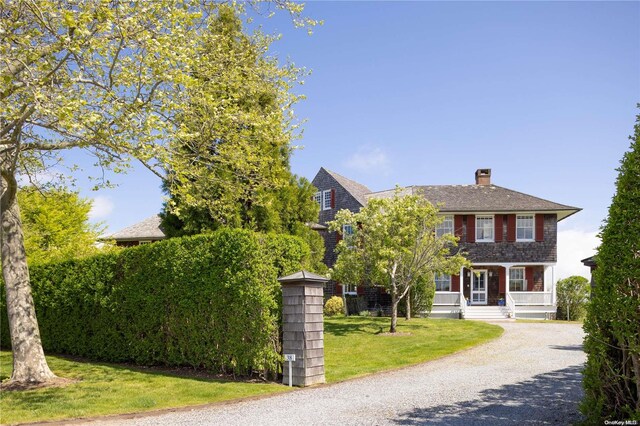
x: 147, y: 231
x: 510, y: 237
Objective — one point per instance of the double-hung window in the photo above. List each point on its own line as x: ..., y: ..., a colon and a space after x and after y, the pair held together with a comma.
x: 350, y: 288
x: 445, y: 227
x: 326, y: 199
x: 317, y: 197
x: 443, y: 282
x: 347, y: 230
x: 524, y: 227
x: 516, y: 280
x: 484, y: 228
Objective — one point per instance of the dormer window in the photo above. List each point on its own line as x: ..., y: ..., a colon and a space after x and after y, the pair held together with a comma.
x: 326, y: 199
x: 484, y: 229
x: 524, y: 227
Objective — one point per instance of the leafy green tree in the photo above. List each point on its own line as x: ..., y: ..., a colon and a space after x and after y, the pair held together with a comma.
x: 106, y: 77
x: 56, y: 225
x: 572, y: 296
x: 230, y: 160
x: 612, y: 373
x: 394, y: 245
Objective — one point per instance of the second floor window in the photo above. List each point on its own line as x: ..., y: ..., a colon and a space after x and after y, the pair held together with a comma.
x: 317, y: 197
x: 326, y: 199
x: 516, y: 280
x: 524, y: 227
x: 446, y: 227
x: 443, y: 282
x: 484, y: 228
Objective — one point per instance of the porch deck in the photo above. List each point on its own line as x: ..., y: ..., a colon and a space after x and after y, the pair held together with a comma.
x: 517, y: 304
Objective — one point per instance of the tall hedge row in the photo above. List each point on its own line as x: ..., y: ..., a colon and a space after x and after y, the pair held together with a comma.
x: 612, y: 344
x: 209, y: 301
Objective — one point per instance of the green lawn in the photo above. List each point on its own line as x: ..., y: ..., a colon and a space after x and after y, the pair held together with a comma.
x: 357, y: 346
x: 353, y: 347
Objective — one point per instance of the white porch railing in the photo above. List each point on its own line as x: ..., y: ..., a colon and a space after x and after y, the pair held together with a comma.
x: 446, y: 299
x: 511, y: 306
x: 539, y: 298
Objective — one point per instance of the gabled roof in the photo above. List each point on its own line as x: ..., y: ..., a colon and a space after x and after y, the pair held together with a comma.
x: 148, y: 229
x: 357, y: 190
x: 481, y: 198
x: 303, y: 276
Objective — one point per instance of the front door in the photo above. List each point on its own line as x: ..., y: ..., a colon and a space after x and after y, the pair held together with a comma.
x: 479, y: 287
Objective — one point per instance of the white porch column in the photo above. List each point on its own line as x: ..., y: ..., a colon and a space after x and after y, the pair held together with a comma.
x: 462, y: 284
x: 506, y: 275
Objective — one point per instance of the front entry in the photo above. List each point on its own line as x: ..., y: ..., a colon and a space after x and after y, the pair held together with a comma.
x: 479, y: 287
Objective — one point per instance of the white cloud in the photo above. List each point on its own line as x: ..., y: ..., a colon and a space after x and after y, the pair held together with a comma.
x: 101, y: 208
x: 369, y: 160
x: 573, y: 246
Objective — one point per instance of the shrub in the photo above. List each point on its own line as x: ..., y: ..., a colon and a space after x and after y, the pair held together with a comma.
x: 207, y: 301
x: 572, y: 296
x: 334, y: 306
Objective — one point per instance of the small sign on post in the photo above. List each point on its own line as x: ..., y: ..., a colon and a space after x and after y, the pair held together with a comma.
x: 290, y: 358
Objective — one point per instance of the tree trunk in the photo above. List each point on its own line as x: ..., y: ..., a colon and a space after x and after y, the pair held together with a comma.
x: 29, y: 363
x: 394, y: 312
x: 408, y: 302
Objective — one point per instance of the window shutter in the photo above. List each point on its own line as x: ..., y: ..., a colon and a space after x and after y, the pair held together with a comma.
x: 338, y: 289
x: 539, y: 227
x: 338, y: 237
x: 471, y: 228
x: 455, y: 282
x: 511, y: 228
x: 497, y: 232
x: 502, y: 280
x: 528, y: 274
x: 333, y: 198
x: 360, y: 290
x: 457, y: 226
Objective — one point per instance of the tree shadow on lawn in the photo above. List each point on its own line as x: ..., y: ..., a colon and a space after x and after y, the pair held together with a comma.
x: 349, y: 326
x: 549, y: 398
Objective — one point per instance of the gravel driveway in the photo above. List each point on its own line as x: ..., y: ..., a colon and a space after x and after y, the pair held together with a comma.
x: 530, y: 375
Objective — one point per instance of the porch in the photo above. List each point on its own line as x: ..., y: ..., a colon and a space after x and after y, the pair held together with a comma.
x: 497, y: 291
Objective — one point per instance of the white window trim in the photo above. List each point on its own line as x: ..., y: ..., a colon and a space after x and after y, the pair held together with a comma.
x: 443, y: 291
x: 533, y: 230
x: 524, y: 277
x: 317, y: 197
x: 324, y: 199
x: 344, y: 232
x: 439, y: 226
x: 347, y: 289
x: 493, y: 228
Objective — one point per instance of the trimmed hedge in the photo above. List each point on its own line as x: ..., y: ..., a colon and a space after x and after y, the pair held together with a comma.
x: 208, y: 301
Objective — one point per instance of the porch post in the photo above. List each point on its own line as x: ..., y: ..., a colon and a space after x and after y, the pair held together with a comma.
x: 506, y: 273
x: 462, y: 285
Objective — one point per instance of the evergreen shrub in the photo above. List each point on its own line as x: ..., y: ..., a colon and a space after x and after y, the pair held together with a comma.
x: 207, y: 301
x: 334, y: 306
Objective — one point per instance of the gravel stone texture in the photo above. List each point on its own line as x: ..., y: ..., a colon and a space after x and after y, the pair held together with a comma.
x: 530, y: 375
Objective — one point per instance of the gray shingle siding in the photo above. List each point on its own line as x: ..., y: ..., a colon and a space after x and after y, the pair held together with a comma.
x: 534, y: 251
x: 343, y: 200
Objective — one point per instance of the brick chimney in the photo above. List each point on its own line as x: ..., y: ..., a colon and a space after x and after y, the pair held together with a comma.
x: 483, y: 177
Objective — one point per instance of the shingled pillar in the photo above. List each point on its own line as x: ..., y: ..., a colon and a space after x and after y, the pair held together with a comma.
x: 302, y: 327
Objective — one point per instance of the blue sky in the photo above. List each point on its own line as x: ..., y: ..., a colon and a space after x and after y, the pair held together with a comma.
x: 543, y: 93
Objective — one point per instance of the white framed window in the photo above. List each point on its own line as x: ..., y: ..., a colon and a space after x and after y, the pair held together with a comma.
x: 484, y: 228
x: 516, y: 280
x: 445, y: 227
x: 326, y: 199
x: 443, y: 282
x: 524, y: 227
x: 347, y: 230
x: 349, y: 289
x: 317, y: 197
